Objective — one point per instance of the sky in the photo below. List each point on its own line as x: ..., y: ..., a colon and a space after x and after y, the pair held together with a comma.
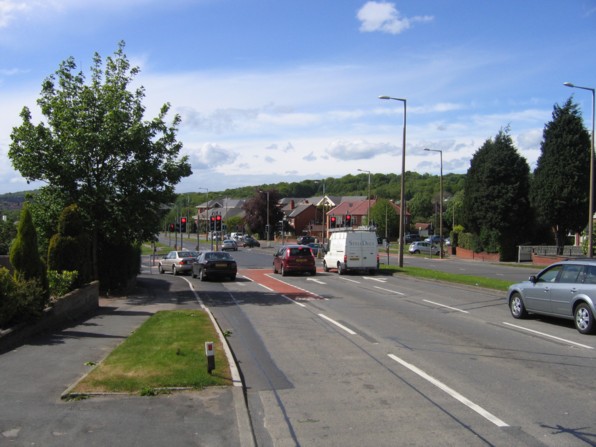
x: 286, y: 90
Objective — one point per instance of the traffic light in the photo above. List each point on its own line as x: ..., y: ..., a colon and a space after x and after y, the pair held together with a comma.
x: 183, y: 225
x: 218, y: 223
x: 333, y: 221
x: 172, y: 227
x: 212, y: 223
x: 279, y: 225
x: 348, y: 220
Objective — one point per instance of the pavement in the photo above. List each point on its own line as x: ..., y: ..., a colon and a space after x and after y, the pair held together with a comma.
x: 34, y: 376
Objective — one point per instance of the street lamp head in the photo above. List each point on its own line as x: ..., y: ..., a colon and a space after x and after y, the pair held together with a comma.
x: 568, y: 84
x: 384, y: 97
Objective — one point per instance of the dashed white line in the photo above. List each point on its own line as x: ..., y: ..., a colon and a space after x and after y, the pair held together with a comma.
x: 457, y: 396
x: 448, y: 307
x: 542, y: 334
x: 339, y: 325
x: 390, y: 291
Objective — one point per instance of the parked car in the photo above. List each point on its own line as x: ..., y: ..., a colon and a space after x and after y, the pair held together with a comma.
x: 294, y: 258
x: 435, y: 239
x: 229, y: 244
x: 177, y: 262
x: 214, y: 264
x: 305, y: 240
x: 565, y: 289
x: 424, y: 247
x: 250, y: 242
x: 411, y: 237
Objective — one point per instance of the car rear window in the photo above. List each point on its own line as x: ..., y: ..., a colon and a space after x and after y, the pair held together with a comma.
x: 300, y: 251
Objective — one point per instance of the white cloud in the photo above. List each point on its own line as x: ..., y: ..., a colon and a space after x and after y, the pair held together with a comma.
x: 210, y: 156
x: 384, y: 17
x: 358, y: 149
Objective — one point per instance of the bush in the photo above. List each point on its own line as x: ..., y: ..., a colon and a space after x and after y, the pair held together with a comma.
x: 60, y: 283
x: 115, y: 276
x: 8, y: 301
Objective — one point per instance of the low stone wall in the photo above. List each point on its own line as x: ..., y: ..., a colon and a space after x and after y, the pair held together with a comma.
x: 546, y: 260
x: 464, y: 253
x: 71, y: 307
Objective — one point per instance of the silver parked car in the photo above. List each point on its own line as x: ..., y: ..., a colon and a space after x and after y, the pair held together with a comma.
x: 424, y: 247
x: 229, y: 244
x: 565, y: 289
x: 177, y: 262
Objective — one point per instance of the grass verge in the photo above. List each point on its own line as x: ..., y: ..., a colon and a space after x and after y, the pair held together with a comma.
x: 478, y: 281
x: 167, y: 351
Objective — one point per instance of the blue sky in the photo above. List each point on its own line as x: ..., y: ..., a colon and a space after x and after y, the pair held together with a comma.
x: 284, y: 90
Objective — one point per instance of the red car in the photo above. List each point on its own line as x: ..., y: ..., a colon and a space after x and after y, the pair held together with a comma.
x: 294, y: 258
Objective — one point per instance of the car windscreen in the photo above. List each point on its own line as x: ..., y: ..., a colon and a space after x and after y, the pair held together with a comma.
x: 218, y: 256
x: 300, y: 251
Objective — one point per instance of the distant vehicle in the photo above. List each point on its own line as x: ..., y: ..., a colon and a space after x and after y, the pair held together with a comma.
x: 447, y: 241
x: 177, y: 262
x: 237, y: 236
x: 214, y: 264
x: 315, y: 248
x: 305, y: 240
x: 250, y: 242
x: 424, y: 247
x: 410, y: 237
x: 565, y: 289
x: 435, y: 239
x: 294, y: 258
x: 352, y: 250
x: 229, y: 244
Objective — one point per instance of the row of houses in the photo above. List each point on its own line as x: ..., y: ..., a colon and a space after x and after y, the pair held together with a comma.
x: 306, y: 215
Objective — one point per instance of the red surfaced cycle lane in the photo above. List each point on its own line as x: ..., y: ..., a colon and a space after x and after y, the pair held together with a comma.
x: 269, y: 280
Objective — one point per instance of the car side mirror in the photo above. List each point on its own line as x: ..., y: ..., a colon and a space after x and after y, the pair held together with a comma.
x: 533, y: 279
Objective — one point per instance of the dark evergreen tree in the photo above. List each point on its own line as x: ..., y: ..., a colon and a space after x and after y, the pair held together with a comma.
x: 496, y: 196
x: 560, y: 186
x: 256, y: 211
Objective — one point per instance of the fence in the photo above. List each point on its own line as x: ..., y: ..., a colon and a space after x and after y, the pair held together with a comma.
x: 525, y: 251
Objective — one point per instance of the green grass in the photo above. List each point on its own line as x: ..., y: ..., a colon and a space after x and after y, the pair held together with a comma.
x: 167, y: 351
x: 478, y: 281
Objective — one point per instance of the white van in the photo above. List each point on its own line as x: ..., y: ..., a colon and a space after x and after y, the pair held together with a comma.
x: 352, y: 250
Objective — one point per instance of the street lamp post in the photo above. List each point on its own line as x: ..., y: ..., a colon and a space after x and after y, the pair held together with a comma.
x: 591, y: 197
x: 440, y: 200
x: 368, y: 210
x: 402, y: 196
x: 206, y: 220
x: 268, y: 228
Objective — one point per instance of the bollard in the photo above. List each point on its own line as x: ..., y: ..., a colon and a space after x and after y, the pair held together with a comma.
x: 210, y: 353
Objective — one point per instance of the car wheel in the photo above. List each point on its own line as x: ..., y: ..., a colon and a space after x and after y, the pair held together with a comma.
x: 274, y: 268
x: 325, y: 268
x: 233, y: 277
x: 516, y: 306
x: 416, y: 252
x: 201, y: 275
x: 174, y: 272
x: 584, y: 319
x: 160, y: 269
x: 340, y: 270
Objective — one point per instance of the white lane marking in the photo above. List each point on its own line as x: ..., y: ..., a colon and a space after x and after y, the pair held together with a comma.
x: 390, y: 291
x: 293, y: 301
x: 383, y: 280
x: 457, y: 396
x: 542, y: 334
x: 351, y: 280
x: 448, y: 307
x: 339, y: 325
x: 318, y: 281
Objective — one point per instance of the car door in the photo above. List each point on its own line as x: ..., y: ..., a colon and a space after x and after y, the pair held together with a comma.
x: 537, y: 295
x: 566, y: 288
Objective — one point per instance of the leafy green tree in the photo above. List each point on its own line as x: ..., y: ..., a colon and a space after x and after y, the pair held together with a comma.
x: 8, y: 231
x: 384, y: 215
x: 421, y: 207
x: 96, y: 148
x: 496, y: 203
x: 255, y: 210
x: 561, y: 177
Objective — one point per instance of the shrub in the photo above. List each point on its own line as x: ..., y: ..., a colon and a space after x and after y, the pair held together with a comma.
x: 60, y: 283
x: 8, y: 301
x: 116, y: 275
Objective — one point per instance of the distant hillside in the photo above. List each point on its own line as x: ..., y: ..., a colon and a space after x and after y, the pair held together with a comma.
x: 13, y: 201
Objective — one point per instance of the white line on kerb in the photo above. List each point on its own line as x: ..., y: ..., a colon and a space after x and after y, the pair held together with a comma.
x: 448, y: 307
x: 339, y: 325
x: 481, y: 411
x: 542, y: 334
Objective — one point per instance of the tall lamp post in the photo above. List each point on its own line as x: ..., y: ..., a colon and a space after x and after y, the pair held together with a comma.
x: 440, y: 199
x: 268, y: 228
x: 591, y: 198
x: 368, y: 210
x: 206, y: 220
x: 402, y: 196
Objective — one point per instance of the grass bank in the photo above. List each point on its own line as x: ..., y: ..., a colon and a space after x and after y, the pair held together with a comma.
x: 478, y: 281
x: 167, y: 351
